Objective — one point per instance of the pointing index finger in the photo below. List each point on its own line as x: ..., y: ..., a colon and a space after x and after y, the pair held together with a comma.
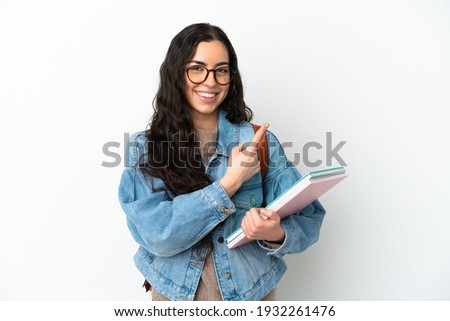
x: 253, y: 145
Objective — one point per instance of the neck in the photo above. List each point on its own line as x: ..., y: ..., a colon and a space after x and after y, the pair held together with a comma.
x: 206, y: 122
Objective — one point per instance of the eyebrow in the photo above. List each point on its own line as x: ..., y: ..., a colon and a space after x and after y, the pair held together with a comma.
x: 204, y: 64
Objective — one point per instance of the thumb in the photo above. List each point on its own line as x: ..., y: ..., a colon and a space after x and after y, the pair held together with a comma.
x: 233, y: 154
x: 269, y: 214
x: 237, y: 149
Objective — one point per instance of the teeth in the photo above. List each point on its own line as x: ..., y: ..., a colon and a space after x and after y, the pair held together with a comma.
x: 206, y: 95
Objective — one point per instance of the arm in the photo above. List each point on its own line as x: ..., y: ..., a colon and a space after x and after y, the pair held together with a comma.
x: 163, y: 225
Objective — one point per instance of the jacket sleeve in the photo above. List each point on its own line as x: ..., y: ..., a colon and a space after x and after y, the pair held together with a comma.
x: 166, y: 226
x: 302, y: 228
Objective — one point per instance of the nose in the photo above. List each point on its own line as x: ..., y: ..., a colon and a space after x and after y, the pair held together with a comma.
x: 210, y: 79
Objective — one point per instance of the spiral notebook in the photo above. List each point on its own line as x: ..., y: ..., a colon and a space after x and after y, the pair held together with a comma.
x: 297, y: 197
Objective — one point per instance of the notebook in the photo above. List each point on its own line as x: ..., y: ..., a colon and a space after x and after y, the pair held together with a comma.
x: 297, y: 197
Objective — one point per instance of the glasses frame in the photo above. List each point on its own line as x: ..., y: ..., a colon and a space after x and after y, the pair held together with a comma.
x: 232, y: 72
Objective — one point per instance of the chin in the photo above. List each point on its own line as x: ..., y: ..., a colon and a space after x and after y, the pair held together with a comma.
x: 205, y: 110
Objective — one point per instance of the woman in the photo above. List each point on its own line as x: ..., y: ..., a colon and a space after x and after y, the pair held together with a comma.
x: 195, y: 180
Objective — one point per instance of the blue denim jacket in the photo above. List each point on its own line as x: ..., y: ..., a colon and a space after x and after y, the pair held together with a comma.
x: 167, y: 228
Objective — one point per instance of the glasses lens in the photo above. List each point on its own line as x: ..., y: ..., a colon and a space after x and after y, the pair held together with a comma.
x: 197, y: 74
x: 223, y: 75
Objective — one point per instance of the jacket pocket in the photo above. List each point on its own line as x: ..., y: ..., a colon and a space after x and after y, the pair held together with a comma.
x: 250, y: 194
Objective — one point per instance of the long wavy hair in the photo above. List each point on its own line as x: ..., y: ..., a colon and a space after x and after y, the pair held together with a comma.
x: 172, y: 155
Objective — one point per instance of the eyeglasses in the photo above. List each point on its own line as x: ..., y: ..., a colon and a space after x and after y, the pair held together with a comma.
x: 198, y: 74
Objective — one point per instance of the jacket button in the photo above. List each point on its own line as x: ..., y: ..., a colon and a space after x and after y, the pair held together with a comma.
x: 226, y: 211
x: 227, y: 275
x: 220, y: 239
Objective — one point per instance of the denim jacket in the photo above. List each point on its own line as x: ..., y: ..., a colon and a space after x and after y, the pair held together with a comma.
x: 167, y: 228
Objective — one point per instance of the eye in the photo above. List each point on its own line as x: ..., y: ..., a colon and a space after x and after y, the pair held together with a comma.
x: 223, y: 70
x: 197, y: 69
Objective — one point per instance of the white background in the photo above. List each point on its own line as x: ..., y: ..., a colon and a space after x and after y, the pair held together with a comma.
x: 75, y: 75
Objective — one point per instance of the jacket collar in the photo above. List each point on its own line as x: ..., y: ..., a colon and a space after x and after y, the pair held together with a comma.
x: 227, y: 134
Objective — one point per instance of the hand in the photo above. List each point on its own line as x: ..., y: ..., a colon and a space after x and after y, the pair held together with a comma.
x: 243, y: 163
x: 265, y: 228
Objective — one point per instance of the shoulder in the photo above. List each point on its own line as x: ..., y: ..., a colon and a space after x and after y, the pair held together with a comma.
x: 136, y: 148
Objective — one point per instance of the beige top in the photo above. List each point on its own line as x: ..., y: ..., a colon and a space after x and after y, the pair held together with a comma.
x: 208, y: 287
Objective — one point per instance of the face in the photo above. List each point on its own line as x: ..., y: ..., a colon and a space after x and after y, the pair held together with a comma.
x: 205, y: 98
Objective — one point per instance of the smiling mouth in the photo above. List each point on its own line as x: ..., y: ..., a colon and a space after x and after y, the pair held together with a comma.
x: 206, y: 94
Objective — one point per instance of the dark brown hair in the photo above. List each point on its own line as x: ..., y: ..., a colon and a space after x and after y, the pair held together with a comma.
x: 172, y: 153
